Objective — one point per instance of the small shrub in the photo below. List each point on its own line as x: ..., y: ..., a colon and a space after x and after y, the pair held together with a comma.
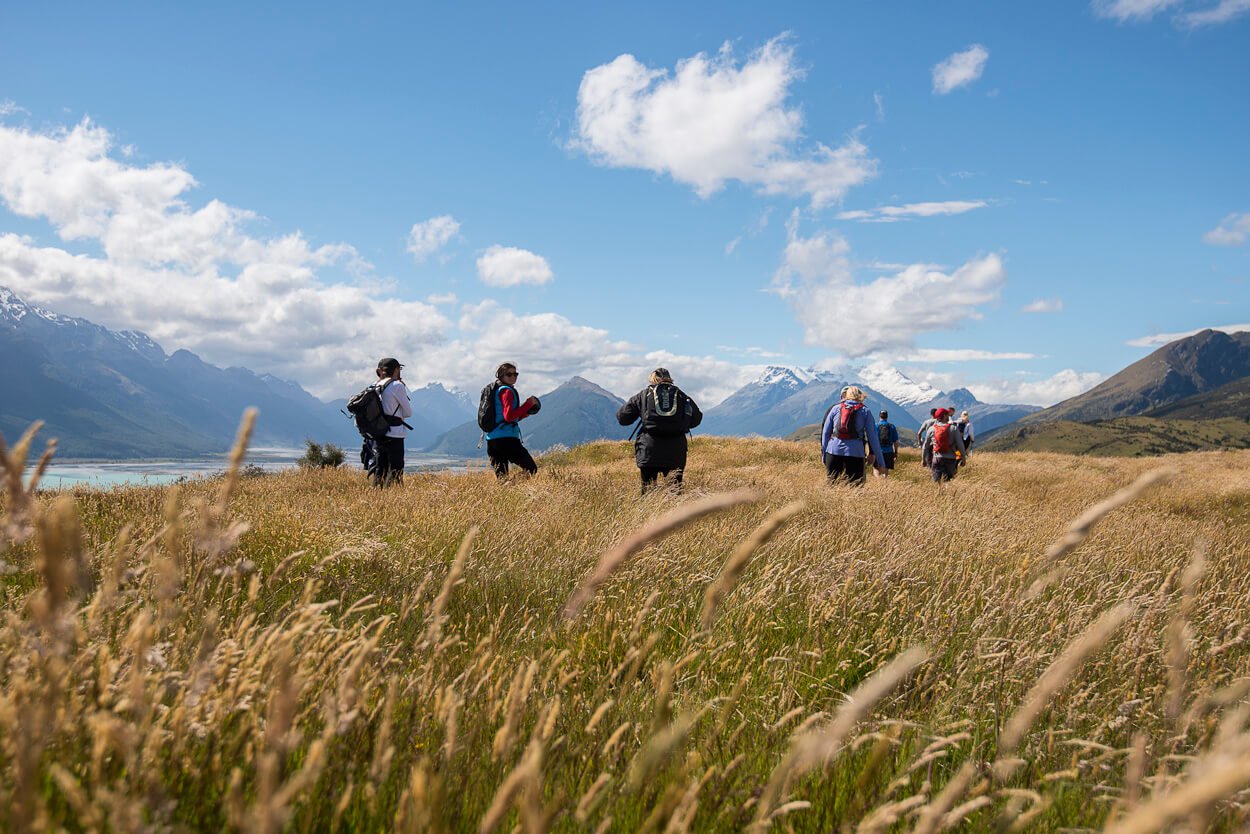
x: 318, y: 456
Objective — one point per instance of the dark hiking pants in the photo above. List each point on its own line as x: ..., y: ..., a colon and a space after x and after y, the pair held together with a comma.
x: 944, y: 469
x: 388, y: 461
x: 837, y: 466
x: 651, y: 474
x: 507, y: 450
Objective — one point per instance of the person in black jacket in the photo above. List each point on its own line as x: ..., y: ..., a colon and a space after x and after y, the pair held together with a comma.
x: 667, y: 413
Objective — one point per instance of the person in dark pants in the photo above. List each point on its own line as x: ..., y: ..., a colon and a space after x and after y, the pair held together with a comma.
x: 666, y: 414
x: 847, y: 435
x: 388, y: 452
x: 887, y: 434
x: 945, y: 446
x: 503, y: 443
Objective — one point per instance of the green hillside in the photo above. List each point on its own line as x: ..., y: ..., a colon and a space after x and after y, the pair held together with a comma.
x: 1231, y: 400
x: 1124, y: 436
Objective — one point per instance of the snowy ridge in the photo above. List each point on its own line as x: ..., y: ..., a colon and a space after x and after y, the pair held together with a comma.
x: 886, y: 380
x: 15, y: 309
x: 786, y: 375
x: 896, y: 385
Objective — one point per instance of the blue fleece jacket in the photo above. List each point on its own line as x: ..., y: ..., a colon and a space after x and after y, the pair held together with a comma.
x: 865, y: 426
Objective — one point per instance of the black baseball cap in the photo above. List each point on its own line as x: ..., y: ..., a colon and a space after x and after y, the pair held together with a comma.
x: 389, y: 364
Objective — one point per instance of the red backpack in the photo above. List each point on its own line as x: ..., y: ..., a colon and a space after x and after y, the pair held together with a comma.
x: 942, y: 443
x: 846, y: 420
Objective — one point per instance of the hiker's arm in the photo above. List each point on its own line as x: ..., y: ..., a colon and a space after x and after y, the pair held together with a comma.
x: 399, y: 405
x: 826, y: 429
x: 874, y: 442
x: 511, y: 411
x: 629, y: 411
x: 959, y: 445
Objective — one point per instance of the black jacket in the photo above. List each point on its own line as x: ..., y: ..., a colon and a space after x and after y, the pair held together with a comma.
x: 661, y: 451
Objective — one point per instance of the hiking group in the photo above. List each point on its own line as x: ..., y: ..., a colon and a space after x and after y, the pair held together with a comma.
x: 851, y: 441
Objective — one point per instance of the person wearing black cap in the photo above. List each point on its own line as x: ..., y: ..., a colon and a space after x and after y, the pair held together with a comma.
x: 666, y: 414
x: 389, y: 450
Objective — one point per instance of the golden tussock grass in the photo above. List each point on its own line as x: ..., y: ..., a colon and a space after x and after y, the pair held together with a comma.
x: 1048, y: 642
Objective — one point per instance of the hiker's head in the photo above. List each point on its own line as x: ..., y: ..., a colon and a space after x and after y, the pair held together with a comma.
x: 506, y: 372
x: 933, y: 412
x: 660, y: 375
x: 389, y: 367
x: 942, y: 415
x: 885, y: 415
x: 853, y: 392
x: 963, y: 416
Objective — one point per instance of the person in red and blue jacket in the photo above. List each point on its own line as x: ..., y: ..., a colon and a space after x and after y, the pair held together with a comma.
x: 503, y: 443
x: 845, y: 455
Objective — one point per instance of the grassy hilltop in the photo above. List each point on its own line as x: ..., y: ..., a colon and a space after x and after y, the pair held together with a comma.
x: 297, y: 652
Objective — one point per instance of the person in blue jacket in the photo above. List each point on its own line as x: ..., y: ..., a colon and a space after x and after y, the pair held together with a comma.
x: 503, y: 443
x: 846, y: 437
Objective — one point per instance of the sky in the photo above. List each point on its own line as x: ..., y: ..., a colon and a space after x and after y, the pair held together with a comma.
x: 1019, y: 198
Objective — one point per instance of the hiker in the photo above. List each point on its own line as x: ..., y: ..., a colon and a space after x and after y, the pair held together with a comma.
x: 842, y: 438
x: 666, y: 414
x: 506, y: 411
x: 925, y: 460
x: 887, y: 434
x: 945, y: 446
x: 388, y: 463
x: 965, y: 431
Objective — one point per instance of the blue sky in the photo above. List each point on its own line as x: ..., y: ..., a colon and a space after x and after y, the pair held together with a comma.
x: 581, y: 189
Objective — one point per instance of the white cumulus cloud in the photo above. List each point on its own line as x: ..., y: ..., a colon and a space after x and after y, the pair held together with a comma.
x: 885, y: 314
x: 507, y: 266
x: 892, y: 214
x: 192, y: 277
x: 961, y: 355
x: 1131, y: 10
x: 1190, y: 14
x: 1233, y: 230
x: 1044, y: 305
x: 713, y: 120
x: 1221, y: 12
x: 960, y: 69
x: 1044, y: 392
x: 429, y: 236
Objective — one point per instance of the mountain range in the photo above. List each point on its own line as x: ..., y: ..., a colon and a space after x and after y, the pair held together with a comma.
x: 1193, y: 393
x: 785, y: 399
x: 116, y: 394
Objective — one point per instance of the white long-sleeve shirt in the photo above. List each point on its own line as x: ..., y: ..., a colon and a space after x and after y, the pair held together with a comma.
x: 395, y: 403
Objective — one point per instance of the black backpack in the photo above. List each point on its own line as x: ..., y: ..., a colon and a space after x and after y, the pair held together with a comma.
x: 366, y: 410
x: 883, y: 435
x: 487, y: 419
x: 665, y: 411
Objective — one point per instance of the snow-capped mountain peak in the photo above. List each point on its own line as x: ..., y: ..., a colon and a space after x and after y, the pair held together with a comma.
x: 786, y: 375
x: 896, y: 385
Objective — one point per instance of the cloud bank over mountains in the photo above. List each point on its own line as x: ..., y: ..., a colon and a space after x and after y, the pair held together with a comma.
x: 817, y: 279
x: 140, y: 256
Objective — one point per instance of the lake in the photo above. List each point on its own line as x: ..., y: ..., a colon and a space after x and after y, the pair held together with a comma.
x: 108, y: 473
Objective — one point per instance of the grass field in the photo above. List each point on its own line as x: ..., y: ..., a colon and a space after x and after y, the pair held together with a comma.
x: 297, y: 652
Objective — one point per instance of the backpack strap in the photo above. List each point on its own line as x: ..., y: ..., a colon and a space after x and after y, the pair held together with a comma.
x: 389, y: 417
